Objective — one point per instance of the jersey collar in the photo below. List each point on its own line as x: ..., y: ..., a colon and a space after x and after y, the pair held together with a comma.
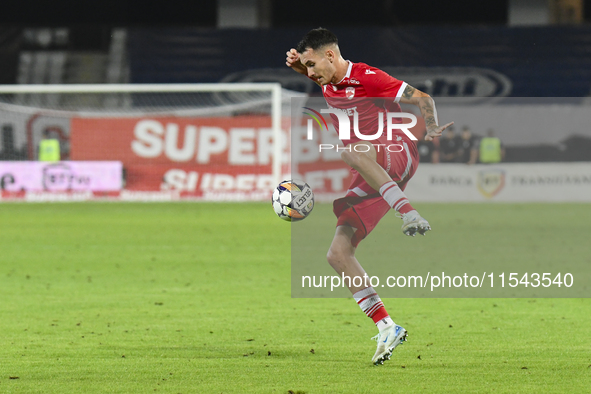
x: 348, y: 74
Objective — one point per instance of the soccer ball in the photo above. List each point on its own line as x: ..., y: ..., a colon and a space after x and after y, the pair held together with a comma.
x: 293, y: 200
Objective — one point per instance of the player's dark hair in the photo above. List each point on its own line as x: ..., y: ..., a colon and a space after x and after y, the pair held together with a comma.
x: 317, y: 38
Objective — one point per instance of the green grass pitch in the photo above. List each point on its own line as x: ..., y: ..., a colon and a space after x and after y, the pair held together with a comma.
x: 195, y: 298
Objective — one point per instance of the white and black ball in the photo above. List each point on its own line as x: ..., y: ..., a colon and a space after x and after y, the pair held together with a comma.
x: 293, y: 200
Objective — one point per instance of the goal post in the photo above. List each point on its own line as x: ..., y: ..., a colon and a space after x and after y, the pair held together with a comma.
x: 227, y: 127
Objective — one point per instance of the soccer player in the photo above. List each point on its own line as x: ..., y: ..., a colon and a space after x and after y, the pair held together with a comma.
x: 379, y: 177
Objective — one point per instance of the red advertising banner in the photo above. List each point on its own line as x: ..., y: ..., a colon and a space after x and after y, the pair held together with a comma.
x: 194, y: 156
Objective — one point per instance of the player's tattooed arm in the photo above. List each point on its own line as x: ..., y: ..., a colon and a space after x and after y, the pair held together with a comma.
x: 424, y: 102
x: 426, y: 105
x: 408, y: 92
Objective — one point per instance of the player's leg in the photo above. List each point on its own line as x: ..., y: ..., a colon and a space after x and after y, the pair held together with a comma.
x: 363, y: 157
x: 341, y: 256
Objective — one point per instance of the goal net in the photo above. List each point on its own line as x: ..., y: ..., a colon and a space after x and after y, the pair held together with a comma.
x: 145, y: 142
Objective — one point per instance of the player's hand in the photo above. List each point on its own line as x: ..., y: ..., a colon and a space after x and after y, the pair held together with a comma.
x: 293, y: 57
x: 436, y: 131
x: 293, y: 60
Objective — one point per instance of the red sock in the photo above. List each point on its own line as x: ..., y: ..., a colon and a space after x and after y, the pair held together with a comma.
x: 369, y: 301
x: 379, y: 315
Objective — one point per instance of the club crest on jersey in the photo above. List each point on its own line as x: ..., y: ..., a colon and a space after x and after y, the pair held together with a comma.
x: 350, y: 92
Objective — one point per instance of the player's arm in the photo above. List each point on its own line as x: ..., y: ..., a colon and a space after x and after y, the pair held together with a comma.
x: 293, y: 61
x: 428, y: 111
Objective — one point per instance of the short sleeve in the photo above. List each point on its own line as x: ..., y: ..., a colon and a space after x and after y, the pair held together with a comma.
x: 377, y: 83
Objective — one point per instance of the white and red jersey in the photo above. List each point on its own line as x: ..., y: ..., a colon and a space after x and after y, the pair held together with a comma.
x: 368, y: 91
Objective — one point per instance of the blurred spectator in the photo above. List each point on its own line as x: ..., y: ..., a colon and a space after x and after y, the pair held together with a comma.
x: 491, y: 149
x: 449, y: 146
x: 428, y: 153
x: 49, y: 148
x: 468, y: 152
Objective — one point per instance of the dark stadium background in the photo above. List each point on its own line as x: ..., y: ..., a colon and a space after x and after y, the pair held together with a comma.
x: 552, y: 60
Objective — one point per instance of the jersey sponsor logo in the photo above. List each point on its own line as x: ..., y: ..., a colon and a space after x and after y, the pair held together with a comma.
x: 368, y: 71
x: 350, y: 92
x: 349, y: 111
x: 353, y: 81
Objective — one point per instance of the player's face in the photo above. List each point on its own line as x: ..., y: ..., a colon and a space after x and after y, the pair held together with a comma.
x: 319, y: 65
